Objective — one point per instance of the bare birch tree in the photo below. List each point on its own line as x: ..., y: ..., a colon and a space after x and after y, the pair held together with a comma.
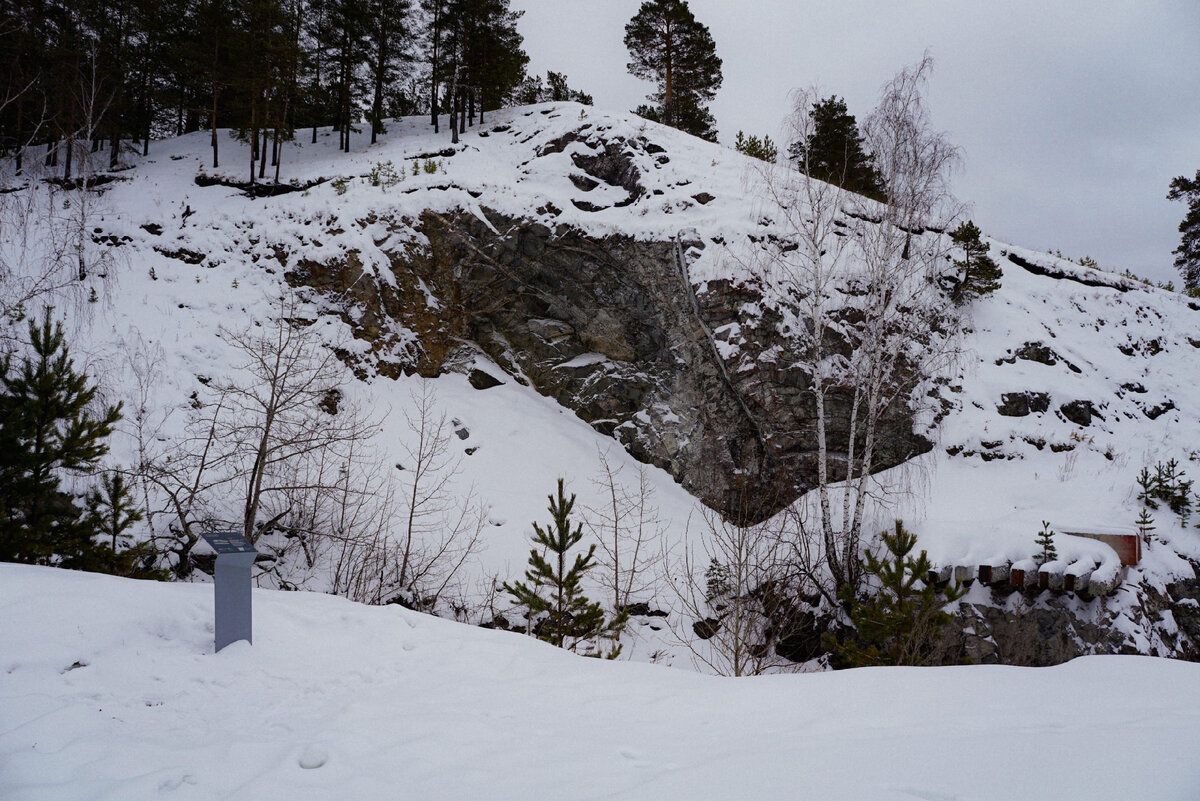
x: 281, y: 406
x: 398, y: 532
x: 871, y: 319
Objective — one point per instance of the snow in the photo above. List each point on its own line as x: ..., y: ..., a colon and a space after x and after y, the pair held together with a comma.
x: 965, y: 509
x: 109, y: 690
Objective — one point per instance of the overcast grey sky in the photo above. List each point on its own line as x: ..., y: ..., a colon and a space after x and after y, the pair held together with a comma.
x: 1073, y: 116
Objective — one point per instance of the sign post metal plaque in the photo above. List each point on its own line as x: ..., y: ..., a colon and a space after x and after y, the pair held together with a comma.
x: 231, y: 588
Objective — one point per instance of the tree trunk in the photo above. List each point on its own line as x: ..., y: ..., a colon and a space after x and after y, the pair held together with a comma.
x: 454, y: 105
x: 433, y: 72
x: 262, y: 150
x: 279, y: 143
x: 668, y: 89
x: 149, y: 120
x: 20, y: 135
x: 253, y: 136
x: 212, y: 122
x: 380, y: 69
x: 70, y: 140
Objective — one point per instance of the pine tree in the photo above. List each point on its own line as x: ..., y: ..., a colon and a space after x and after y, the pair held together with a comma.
x: 1187, y: 255
x: 834, y: 152
x: 1045, y: 541
x: 668, y: 46
x: 388, y: 36
x: 47, y: 429
x: 1149, y: 488
x: 1145, y: 525
x: 901, y: 623
x: 980, y: 273
x: 111, y: 513
x: 493, y: 57
x: 551, y: 591
x: 763, y: 149
x: 557, y: 89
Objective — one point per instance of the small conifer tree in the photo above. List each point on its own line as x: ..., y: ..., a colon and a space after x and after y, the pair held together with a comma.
x: 1145, y: 525
x: 980, y: 273
x: 901, y: 623
x: 111, y: 514
x: 1148, y: 488
x: 559, y: 611
x: 1045, y: 541
x: 763, y: 149
x: 1167, y: 484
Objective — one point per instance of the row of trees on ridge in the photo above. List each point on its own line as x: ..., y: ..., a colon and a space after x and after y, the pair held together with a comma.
x: 134, y: 70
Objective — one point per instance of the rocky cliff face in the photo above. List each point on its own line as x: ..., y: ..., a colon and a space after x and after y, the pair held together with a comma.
x: 612, y: 328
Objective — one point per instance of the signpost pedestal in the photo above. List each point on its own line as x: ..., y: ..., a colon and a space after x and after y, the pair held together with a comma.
x: 231, y: 590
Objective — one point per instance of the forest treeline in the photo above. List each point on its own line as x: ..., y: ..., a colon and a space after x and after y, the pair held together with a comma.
x: 106, y: 75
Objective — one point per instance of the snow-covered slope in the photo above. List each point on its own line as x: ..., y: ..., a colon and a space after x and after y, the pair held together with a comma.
x: 1067, y: 387
x: 109, y: 690
x: 189, y: 260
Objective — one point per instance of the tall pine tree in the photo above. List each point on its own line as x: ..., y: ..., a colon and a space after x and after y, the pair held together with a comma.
x: 1187, y: 255
x: 389, y: 36
x: 668, y: 46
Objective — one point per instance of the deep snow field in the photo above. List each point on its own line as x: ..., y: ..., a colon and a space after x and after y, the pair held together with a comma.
x: 109, y: 690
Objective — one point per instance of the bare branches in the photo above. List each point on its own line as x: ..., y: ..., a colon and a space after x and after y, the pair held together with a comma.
x: 401, y: 532
x: 282, y: 406
x: 735, y: 587
x: 627, y: 527
x: 914, y: 160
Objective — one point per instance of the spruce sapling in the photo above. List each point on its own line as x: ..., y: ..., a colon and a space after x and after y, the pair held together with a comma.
x: 551, y: 591
x: 1145, y: 525
x: 1045, y: 540
x: 902, y: 622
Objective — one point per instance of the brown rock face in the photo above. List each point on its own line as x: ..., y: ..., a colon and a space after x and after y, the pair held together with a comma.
x: 611, y: 328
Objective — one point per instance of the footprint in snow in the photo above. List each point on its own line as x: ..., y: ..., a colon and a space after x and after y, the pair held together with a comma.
x: 313, y: 757
x: 175, y: 784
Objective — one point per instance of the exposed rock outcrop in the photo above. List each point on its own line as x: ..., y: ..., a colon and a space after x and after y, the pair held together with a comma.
x: 699, y: 383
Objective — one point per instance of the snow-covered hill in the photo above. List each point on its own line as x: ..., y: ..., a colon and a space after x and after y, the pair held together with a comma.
x: 1071, y: 380
x: 109, y: 690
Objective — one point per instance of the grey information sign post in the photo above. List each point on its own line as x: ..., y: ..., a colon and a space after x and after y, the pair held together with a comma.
x: 231, y: 589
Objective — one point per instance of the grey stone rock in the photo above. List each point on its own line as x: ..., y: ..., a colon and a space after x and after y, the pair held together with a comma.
x: 1020, y: 404
x: 610, y: 328
x: 481, y: 380
x: 1080, y: 412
